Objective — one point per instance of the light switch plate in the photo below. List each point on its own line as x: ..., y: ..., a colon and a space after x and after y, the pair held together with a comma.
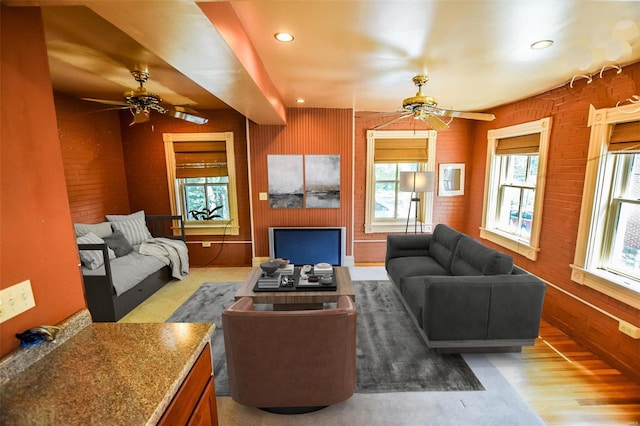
x: 262, y: 196
x: 15, y: 300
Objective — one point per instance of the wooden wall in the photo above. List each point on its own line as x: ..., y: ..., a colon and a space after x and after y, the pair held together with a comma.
x: 93, y: 159
x: 37, y: 241
x: 308, y: 131
x: 148, y: 189
x: 452, y: 146
x: 567, y: 161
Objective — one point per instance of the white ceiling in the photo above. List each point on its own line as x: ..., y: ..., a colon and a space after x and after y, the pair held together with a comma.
x: 346, y: 54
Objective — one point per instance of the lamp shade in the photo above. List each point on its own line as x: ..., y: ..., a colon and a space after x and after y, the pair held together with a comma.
x: 416, y: 181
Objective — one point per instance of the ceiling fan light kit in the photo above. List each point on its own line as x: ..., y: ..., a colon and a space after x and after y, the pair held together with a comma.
x: 141, y: 102
x: 425, y: 108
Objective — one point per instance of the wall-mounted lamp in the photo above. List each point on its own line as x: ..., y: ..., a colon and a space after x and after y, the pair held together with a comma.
x: 415, y: 182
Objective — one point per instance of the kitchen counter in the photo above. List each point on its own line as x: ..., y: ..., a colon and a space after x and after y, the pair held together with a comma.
x: 106, y: 373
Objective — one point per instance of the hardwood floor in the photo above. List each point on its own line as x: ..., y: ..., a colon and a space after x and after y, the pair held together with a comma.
x: 565, y: 384
x: 562, y: 382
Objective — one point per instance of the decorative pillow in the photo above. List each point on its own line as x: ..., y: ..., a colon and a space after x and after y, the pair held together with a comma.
x: 126, y: 217
x: 118, y: 243
x: 93, y: 259
x: 135, y: 231
x: 100, y: 229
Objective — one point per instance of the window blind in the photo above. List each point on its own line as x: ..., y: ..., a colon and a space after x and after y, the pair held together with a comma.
x: 625, y: 138
x: 523, y: 144
x: 200, y: 159
x: 400, y: 151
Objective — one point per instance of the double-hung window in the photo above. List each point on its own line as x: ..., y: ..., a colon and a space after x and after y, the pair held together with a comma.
x: 607, y: 254
x: 514, y: 186
x: 201, y: 178
x: 388, y: 154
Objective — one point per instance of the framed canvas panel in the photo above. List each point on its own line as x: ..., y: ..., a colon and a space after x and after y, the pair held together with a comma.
x: 322, y: 181
x: 286, y: 183
x: 451, y: 180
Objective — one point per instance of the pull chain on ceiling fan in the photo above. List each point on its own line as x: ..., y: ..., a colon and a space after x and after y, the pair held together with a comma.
x: 141, y: 102
x: 425, y: 108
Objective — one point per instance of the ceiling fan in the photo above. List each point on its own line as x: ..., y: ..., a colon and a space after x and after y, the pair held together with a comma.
x: 141, y: 102
x: 425, y: 108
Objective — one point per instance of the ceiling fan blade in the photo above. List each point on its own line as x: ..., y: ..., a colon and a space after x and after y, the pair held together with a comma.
x: 186, y: 114
x: 382, y: 114
x: 435, y: 122
x: 462, y: 114
x: 108, y: 102
x: 380, y: 126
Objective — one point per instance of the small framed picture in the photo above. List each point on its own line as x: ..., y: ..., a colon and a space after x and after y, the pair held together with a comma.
x: 451, y: 180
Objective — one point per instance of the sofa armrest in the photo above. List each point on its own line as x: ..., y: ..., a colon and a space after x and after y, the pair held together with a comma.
x: 482, y: 307
x: 407, y: 245
x: 456, y: 307
x: 105, y: 255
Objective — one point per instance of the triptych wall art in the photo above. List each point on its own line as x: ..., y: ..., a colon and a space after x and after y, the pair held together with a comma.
x: 311, y: 181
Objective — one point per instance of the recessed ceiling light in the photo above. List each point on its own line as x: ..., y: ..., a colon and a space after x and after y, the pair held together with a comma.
x: 300, y: 101
x: 541, y: 44
x: 284, y: 37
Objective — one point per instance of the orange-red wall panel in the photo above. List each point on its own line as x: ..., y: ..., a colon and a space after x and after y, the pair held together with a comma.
x: 93, y: 159
x: 567, y: 160
x: 308, y: 131
x: 37, y: 239
x: 148, y: 190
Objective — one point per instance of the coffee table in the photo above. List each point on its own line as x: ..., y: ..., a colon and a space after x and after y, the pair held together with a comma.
x: 297, y: 299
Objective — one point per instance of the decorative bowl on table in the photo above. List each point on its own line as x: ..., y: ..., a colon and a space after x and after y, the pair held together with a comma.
x: 281, y: 261
x: 269, y: 267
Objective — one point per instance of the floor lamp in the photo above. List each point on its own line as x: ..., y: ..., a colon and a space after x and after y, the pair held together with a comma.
x: 415, y: 182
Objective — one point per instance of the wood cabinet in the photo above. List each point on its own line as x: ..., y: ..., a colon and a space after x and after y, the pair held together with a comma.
x: 195, y: 401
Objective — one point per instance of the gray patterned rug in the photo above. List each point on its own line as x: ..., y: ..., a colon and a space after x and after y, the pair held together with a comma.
x: 392, y: 355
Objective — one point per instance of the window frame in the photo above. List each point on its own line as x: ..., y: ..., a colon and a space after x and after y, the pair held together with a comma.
x: 593, y: 215
x: 425, y: 206
x: 488, y: 230
x: 218, y: 227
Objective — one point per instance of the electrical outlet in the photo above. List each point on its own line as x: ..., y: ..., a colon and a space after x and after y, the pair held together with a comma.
x: 15, y: 300
x: 629, y: 329
x: 206, y: 244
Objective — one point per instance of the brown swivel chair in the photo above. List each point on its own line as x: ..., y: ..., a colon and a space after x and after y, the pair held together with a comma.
x: 290, y: 361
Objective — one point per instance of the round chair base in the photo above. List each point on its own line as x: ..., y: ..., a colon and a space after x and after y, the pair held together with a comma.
x: 292, y: 410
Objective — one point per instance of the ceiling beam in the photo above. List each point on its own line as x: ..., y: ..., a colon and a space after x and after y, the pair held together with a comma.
x: 225, y: 62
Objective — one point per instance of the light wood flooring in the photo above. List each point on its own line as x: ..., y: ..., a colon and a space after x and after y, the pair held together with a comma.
x: 562, y: 382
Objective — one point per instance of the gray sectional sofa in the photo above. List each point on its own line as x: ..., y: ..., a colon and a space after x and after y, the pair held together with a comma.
x: 466, y: 296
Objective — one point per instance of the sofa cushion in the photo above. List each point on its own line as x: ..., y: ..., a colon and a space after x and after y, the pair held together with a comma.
x: 474, y: 258
x: 135, y: 231
x: 443, y: 244
x: 118, y: 243
x: 412, y: 266
x: 100, y: 229
x: 93, y: 259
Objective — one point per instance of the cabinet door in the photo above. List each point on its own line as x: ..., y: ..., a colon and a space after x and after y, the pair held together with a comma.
x: 206, y: 411
x: 192, y: 391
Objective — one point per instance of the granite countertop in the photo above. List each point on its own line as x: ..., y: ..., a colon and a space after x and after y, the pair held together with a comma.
x: 106, y: 373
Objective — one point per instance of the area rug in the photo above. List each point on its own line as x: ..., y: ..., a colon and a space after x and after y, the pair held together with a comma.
x: 392, y: 355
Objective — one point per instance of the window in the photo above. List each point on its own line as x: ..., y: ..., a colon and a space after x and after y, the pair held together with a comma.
x: 514, y: 186
x: 388, y: 154
x: 607, y: 254
x: 201, y: 178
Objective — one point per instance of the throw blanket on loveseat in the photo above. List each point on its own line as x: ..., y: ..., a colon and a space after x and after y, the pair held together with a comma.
x: 171, y: 252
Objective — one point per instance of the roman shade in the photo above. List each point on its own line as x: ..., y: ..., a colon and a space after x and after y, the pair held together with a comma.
x: 523, y: 144
x: 625, y: 138
x: 401, y: 151
x: 200, y: 159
